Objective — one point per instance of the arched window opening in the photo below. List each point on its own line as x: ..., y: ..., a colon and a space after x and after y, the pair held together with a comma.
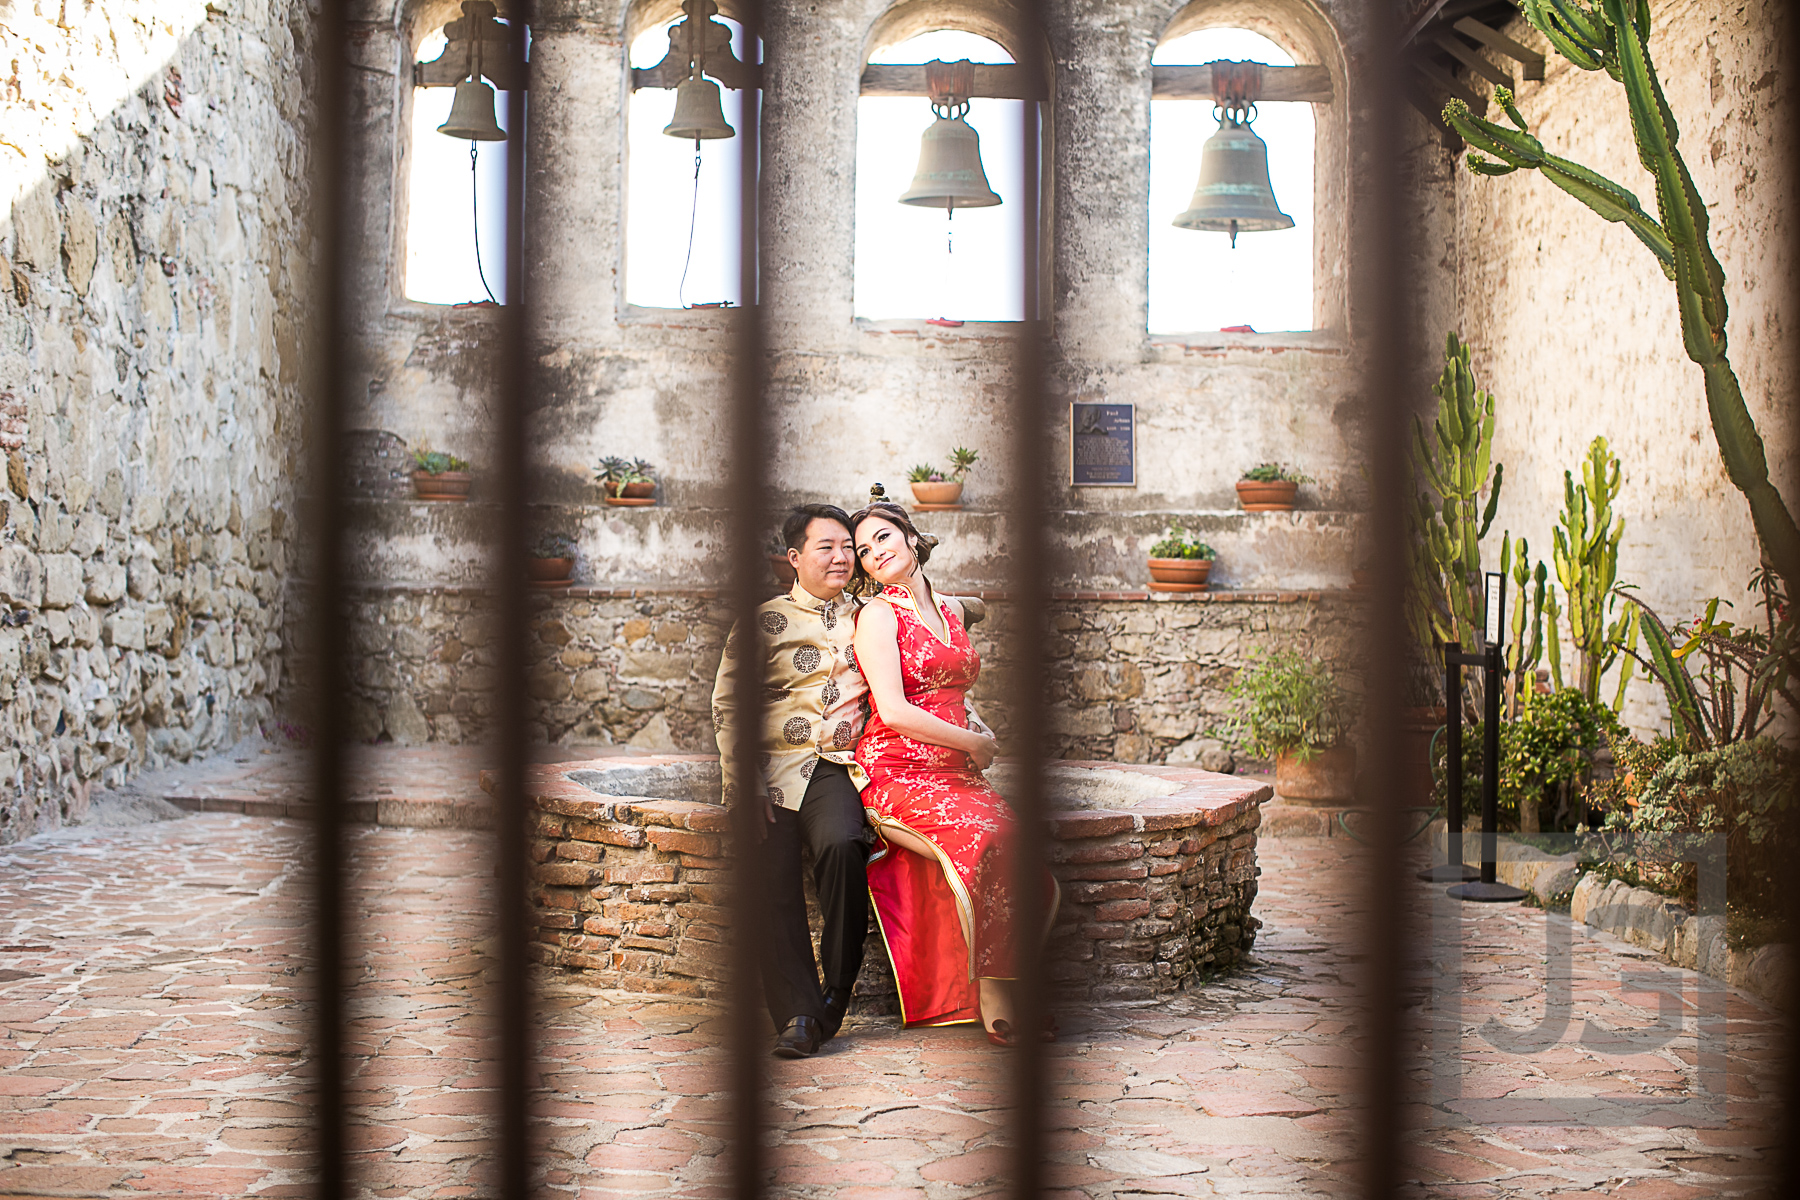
x: 1198, y: 281
x: 456, y: 188
x: 683, y: 195
x: 962, y: 264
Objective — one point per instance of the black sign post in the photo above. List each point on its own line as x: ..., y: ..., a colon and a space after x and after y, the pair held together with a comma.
x: 1453, y: 869
x: 1488, y: 889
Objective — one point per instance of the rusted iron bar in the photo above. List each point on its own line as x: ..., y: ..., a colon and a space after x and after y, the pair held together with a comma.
x: 325, y: 515
x: 1004, y: 81
x: 513, y: 1006
x: 746, y: 1024
x: 1382, y: 299
x: 1028, y: 510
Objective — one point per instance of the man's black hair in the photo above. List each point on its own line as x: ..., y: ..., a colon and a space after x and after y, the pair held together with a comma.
x: 793, y: 530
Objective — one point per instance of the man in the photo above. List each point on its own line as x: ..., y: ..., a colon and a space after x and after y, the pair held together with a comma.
x: 815, y: 706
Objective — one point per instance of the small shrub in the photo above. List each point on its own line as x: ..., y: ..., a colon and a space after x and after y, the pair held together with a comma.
x: 1290, y: 702
x: 1275, y: 473
x: 436, y: 462
x: 1178, y: 542
x: 553, y: 545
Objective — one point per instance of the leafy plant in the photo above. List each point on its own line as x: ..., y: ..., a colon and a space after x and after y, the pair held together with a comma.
x: 1545, y: 755
x: 1740, y: 790
x: 436, y: 462
x: 1613, y: 36
x: 1446, y: 597
x: 1721, y: 680
x: 962, y: 460
x: 1290, y: 703
x: 1533, y: 599
x: 1270, y: 472
x: 553, y: 545
x: 1178, y: 542
x: 614, y: 472
x: 1586, y: 553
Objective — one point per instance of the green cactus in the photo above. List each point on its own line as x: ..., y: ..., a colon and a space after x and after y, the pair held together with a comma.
x: 1532, y: 598
x: 1586, y: 554
x: 1450, y: 466
x: 1613, y: 36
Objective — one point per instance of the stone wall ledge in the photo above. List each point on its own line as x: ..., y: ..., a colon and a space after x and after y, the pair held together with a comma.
x: 1639, y: 916
x: 400, y: 587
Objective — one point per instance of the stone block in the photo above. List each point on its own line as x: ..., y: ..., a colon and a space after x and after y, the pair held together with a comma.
x: 655, y: 666
x: 62, y: 580
x: 21, y: 577
x: 404, y: 722
x: 124, y: 629
x: 105, y: 583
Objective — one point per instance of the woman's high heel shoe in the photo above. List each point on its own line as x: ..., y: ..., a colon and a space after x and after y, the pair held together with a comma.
x: 1002, y: 1033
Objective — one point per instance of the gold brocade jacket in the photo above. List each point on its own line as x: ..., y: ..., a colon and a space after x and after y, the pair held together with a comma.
x: 816, y: 701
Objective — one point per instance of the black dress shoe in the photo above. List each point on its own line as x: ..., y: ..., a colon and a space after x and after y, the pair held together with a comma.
x: 800, y: 1039
x: 837, y: 1007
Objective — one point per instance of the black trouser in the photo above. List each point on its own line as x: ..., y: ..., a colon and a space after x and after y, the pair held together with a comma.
x: 830, y: 822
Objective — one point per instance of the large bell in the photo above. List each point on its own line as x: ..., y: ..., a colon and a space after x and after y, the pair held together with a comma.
x: 950, y: 175
x: 699, y: 111
x: 472, y: 114
x: 1234, y: 195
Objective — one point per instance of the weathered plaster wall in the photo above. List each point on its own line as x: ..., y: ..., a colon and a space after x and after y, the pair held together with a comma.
x: 1575, y: 329
x: 153, y: 262
x: 856, y: 401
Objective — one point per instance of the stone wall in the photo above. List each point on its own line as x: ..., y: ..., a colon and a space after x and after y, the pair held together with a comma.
x: 1134, y: 679
x: 153, y: 262
x: 1575, y: 329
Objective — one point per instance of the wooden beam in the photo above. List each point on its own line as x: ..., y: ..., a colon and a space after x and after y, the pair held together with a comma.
x: 1529, y: 59
x: 1445, y: 81
x: 1472, y: 60
x: 1007, y: 82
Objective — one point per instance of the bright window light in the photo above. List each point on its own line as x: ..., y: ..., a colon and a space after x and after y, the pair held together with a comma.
x: 662, y: 203
x: 918, y: 262
x: 441, y: 263
x: 1198, y: 283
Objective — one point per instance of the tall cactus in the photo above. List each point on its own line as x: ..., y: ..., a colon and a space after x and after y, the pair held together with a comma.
x: 1532, y: 598
x: 1613, y: 36
x: 1586, y: 553
x: 1451, y: 465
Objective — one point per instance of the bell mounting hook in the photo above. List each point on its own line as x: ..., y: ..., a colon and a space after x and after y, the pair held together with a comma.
x: 949, y: 84
x: 1237, y: 86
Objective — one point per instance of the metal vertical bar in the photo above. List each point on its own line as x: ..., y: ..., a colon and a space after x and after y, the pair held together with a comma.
x: 331, y: 334
x: 1028, y: 506
x: 1380, y: 320
x: 1490, y: 762
x: 1453, y: 761
x: 1787, y: 121
x: 512, y: 918
x: 749, y: 477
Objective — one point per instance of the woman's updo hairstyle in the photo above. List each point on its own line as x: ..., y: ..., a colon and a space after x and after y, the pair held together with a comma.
x: 861, y: 583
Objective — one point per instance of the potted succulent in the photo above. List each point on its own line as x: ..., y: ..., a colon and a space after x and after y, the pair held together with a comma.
x: 1270, y: 487
x: 439, y: 476
x: 934, y: 490
x: 1180, y: 562
x: 1292, y: 711
x: 626, y: 482
x: 550, y: 560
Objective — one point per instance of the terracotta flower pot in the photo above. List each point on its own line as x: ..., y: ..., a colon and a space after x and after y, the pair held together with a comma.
x: 548, y: 570
x: 445, y: 485
x: 782, y: 569
x: 1179, y: 574
x: 1277, y: 496
x: 1326, y: 777
x: 641, y: 490
x: 938, y: 495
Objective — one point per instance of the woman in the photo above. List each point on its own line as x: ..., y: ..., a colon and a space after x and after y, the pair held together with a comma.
x: 944, y: 896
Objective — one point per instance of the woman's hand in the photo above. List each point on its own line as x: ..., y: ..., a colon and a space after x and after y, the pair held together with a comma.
x: 983, y: 752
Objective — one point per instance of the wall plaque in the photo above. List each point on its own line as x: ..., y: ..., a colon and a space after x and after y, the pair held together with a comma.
x: 1102, y: 446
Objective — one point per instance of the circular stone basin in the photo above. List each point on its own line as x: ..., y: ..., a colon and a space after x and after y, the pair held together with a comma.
x: 1157, y: 866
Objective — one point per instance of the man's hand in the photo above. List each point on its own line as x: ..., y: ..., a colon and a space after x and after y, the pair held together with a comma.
x: 766, y: 807
x: 983, y: 753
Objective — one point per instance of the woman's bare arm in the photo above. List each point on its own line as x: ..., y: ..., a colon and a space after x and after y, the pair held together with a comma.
x: 878, y: 654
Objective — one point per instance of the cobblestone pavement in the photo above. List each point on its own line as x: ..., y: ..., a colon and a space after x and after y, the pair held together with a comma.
x: 151, y: 981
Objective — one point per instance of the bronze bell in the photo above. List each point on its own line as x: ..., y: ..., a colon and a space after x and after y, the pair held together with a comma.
x: 950, y: 175
x: 1233, y: 195
x: 472, y: 114
x: 699, y: 111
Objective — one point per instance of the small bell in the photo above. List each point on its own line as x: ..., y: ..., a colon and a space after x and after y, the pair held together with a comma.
x: 950, y: 175
x: 472, y: 114
x: 699, y: 111
x: 1234, y: 195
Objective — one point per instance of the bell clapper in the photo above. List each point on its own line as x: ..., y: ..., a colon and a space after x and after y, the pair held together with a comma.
x: 1234, y: 233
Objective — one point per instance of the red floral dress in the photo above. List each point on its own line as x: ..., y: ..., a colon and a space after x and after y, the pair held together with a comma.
x: 947, y: 922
